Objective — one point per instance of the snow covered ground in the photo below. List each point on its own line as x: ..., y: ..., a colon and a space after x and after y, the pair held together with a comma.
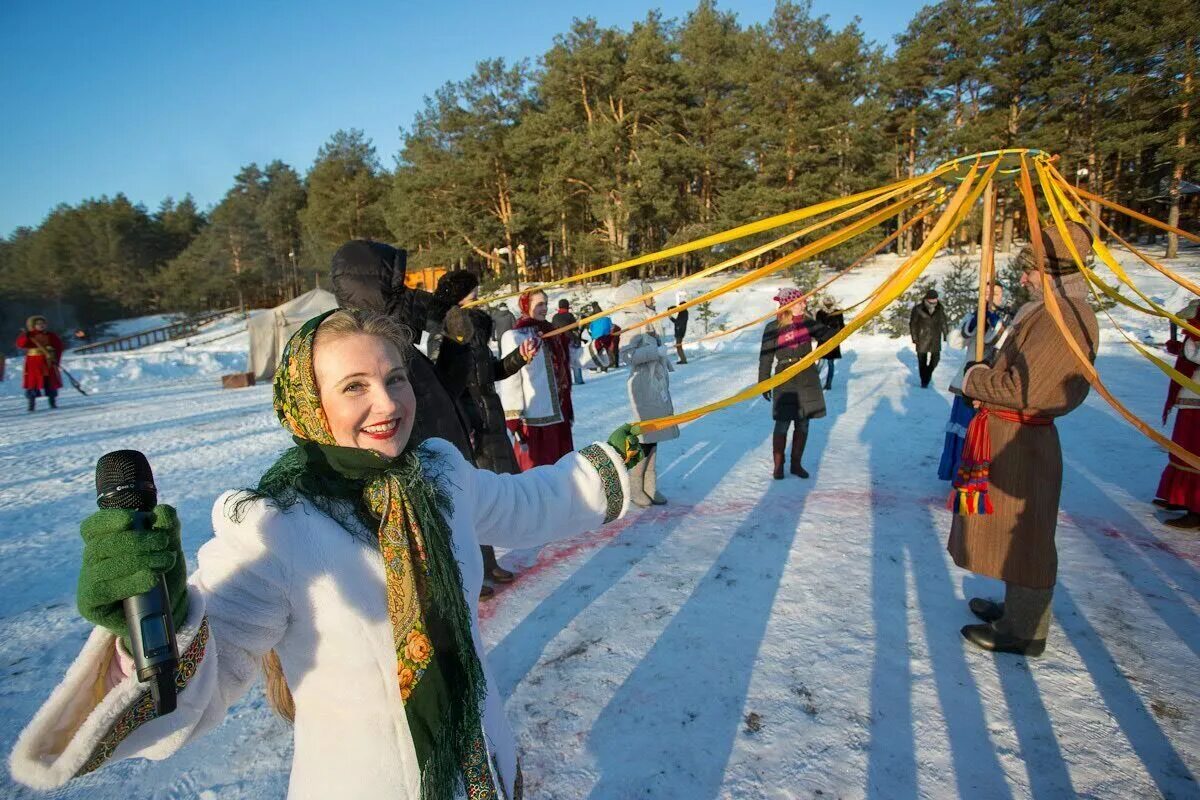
x: 752, y: 639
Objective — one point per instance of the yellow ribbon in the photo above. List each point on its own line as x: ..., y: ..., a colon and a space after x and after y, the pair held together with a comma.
x: 1179, y: 279
x: 964, y: 197
x: 800, y: 254
x: 738, y: 259
x: 1055, y: 312
x: 804, y: 297
x: 742, y: 231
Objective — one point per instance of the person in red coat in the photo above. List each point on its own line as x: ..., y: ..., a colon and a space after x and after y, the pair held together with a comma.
x: 43, y: 349
x: 1179, y: 488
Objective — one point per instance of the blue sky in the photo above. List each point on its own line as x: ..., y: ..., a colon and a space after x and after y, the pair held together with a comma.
x: 158, y: 99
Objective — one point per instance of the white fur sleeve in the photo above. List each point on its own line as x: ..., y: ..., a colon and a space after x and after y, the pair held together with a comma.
x: 1191, y: 349
x: 582, y: 491
x: 512, y: 388
x: 237, y: 611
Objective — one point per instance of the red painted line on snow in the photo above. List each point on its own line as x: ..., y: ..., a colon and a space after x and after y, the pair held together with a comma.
x: 1110, y: 531
x: 554, y: 554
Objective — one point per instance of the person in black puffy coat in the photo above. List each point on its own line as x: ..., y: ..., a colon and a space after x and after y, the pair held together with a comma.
x: 370, y: 276
x: 479, y: 402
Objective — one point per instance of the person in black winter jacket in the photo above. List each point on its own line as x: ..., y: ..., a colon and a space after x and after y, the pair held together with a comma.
x: 929, y: 328
x: 370, y: 276
x: 833, y: 321
x: 563, y: 318
x: 680, y: 320
x: 479, y: 402
x: 503, y: 321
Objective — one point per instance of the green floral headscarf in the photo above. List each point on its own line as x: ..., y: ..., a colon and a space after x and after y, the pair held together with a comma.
x: 438, y: 670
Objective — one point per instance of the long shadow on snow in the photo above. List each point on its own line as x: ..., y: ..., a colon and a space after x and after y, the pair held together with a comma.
x: 1135, y: 543
x: 515, y: 655
x: 701, y: 665
x: 902, y: 535
x: 1147, y: 739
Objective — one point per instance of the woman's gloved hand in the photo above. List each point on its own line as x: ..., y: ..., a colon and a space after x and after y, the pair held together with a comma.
x: 626, y: 443
x: 767, y: 395
x: 121, y: 559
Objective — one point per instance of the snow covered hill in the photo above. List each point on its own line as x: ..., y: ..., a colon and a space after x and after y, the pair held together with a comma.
x: 752, y: 639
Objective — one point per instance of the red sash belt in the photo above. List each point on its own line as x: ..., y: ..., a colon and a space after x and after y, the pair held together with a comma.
x: 970, y: 493
x: 1014, y: 416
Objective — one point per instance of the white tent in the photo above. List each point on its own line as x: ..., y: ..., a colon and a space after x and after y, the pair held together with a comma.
x: 271, y: 328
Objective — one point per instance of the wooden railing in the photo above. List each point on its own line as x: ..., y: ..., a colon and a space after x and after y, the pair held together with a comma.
x: 165, y: 333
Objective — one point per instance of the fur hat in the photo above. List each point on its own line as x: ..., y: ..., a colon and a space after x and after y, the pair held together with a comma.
x: 456, y: 285
x: 931, y: 294
x: 1058, y: 258
x: 30, y: 322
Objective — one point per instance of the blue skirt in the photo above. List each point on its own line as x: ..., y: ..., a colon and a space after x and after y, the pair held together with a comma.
x: 961, y: 414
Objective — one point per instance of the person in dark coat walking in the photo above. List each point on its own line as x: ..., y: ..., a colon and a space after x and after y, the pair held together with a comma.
x: 680, y: 320
x: 562, y: 319
x: 928, y: 327
x: 831, y: 321
x: 370, y: 276
x: 787, y: 339
x: 479, y: 401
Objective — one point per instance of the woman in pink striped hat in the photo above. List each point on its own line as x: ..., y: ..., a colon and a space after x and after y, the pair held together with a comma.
x: 787, y: 339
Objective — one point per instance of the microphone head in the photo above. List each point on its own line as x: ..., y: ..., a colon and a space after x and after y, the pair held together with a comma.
x: 124, y: 480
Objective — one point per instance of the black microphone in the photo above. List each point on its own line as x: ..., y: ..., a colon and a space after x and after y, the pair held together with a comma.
x: 124, y: 480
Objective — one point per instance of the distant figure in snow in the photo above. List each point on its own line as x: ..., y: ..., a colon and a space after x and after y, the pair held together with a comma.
x: 502, y: 321
x: 43, y: 350
x: 786, y: 340
x: 928, y: 327
x: 831, y: 321
x: 680, y: 320
x: 648, y: 383
x: 1179, y: 488
x: 562, y: 319
x: 962, y: 412
x: 1035, y: 380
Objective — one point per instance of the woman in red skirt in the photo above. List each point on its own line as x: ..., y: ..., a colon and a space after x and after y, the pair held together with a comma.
x: 1179, y: 489
x: 537, y: 400
x: 43, y: 350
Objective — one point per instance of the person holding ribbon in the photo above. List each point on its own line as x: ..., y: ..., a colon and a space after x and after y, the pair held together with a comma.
x: 43, y: 350
x: 537, y: 400
x: 649, y: 382
x: 1009, y: 480
x: 1179, y: 487
x: 786, y: 340
x: 349, y: 575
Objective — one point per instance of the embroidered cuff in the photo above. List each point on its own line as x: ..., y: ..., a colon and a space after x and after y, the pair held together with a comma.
x: 141, y: 709
x: 610, y: 479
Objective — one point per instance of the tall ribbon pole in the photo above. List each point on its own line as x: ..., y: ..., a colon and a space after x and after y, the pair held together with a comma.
x: 987, y: 267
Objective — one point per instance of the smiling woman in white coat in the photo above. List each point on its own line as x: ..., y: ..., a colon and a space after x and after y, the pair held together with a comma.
x: 350, y: 575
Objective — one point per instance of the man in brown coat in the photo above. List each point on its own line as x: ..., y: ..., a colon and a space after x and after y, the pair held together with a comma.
x: 1035, y: 379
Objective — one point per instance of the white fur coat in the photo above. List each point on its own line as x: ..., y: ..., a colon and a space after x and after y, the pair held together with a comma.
x: 298, y: 582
